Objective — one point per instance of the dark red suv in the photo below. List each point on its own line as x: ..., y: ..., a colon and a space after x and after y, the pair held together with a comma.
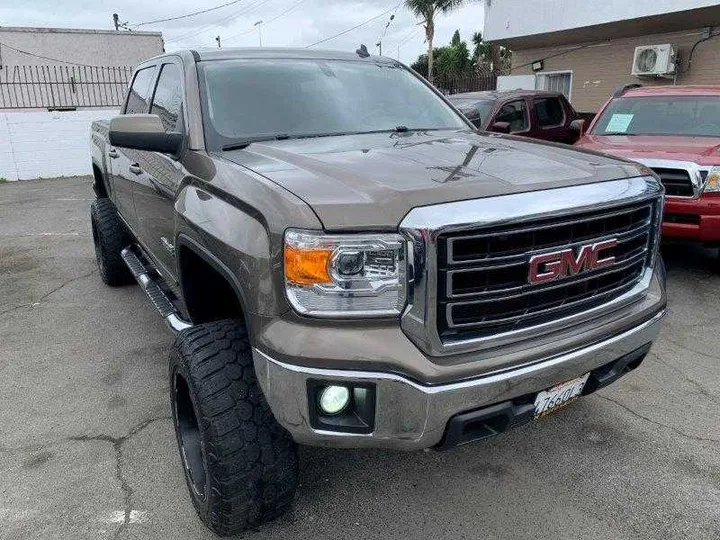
x: 675, y: 131
x: 532, y: 113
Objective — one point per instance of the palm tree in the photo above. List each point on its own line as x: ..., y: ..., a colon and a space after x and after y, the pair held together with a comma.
x: 427, y: 10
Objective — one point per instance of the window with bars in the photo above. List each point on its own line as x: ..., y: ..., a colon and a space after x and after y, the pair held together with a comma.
x: 556, y: 82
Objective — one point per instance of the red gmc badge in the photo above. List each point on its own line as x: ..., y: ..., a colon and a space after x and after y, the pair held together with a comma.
x: 561, y: 264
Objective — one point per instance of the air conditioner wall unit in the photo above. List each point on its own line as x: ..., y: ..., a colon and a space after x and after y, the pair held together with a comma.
x: 654, y: 60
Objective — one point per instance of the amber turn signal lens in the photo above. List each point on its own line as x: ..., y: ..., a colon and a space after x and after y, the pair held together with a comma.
x: 307, y: 266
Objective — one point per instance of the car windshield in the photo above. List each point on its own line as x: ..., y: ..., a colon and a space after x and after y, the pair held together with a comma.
x: 694, y: 116
x: 249, y: 99
x: 475, y: 110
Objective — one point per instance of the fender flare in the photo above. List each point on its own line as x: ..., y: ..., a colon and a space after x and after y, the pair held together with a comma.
x: 184, y: 241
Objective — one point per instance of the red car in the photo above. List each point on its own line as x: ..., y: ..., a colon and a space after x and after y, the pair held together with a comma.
x: 531, y: 113
x: 675, y: 131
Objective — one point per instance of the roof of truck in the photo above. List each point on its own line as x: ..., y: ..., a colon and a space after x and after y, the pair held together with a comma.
x: 668, y: 90
x: 278, y: 52
x: 503, y: 94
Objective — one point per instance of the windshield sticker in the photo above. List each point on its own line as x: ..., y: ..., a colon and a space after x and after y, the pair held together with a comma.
x: 619, y: 123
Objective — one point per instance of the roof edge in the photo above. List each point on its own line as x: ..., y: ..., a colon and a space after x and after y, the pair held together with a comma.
x: 48, y: 30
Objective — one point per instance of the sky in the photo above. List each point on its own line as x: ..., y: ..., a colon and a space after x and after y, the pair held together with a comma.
x: 306, y: 22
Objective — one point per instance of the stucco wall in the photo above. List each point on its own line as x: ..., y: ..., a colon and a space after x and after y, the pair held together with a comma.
x: 47, y: 144
x: 93, y: 47
x: 601, y: 68
x: 506, y: 19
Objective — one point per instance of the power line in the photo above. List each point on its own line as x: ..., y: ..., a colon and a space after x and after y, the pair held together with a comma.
x: 355, y: 27
x: 198, y: 31
x: 561, y: 53
x: 193, y: 14
x: 288, y: 10
x: 410, y: 35
x: 45, y: 57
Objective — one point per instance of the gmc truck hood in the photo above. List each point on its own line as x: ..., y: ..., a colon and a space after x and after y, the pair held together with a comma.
x: 372, y: 181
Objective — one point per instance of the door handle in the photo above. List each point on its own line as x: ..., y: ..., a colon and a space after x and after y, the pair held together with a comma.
x: 135, y: 169
x: 113, y: 153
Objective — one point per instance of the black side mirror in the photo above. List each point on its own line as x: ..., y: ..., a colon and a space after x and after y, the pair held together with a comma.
x: 578, y: 126
x: 500, y: 127
x: 144, y: 132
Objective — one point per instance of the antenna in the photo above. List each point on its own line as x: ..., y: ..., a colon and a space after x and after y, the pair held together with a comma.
x: 362, y: 52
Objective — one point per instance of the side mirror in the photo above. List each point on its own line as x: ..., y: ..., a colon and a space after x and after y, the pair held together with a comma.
x: 578, y: 126
x: 143, y: 132
x: 500, y: 127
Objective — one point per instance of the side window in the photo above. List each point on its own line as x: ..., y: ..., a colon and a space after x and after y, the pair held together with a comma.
x: 140, y: 91
x: 550, y: 112
x: 167, y: 101
x: 514, y: 113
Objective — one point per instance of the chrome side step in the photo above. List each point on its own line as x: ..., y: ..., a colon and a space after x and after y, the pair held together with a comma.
x: 156, y: 295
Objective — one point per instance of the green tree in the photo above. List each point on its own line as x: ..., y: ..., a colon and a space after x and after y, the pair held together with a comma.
x: 427, y: 10
x: 482, y: 53
x: 454, y: 59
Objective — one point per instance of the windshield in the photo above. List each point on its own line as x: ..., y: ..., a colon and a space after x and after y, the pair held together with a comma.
x: 255, y: 98
x: 476, y: 111
x: 663, y: 115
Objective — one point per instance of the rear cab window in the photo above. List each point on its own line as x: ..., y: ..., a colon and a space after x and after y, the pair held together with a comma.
x: 550, y: 112
x: 137, y: 100
x: 514, y: 113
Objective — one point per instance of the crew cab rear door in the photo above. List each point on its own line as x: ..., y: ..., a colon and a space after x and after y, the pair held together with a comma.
x: 552, y: 116
x: 121, y: 159
x: 160, y: 175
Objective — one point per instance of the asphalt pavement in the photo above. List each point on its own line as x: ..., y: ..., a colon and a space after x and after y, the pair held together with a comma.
x: 87, y: 449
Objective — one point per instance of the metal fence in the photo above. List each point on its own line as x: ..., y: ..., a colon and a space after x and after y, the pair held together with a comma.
x: 62, y: 87
x: 473, y: 82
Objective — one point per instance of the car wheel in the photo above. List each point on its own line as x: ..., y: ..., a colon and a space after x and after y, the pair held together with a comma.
x: 240, y: 464
x: 110, y: 238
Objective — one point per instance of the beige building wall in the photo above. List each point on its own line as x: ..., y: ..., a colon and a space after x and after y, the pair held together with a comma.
x: 92, y: 47
x: 597, y: 70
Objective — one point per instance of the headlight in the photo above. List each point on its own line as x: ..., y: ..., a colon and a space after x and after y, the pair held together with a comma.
x: 712, y: 182
x: 349, y: 275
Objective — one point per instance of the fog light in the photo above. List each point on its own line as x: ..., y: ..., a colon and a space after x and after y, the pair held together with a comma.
x: 333, y: 399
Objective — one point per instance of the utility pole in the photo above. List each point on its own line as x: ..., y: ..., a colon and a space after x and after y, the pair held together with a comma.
x: 116, y: 21
x: 379, y: 43
x: 217, y: 38
x: 259, y: 27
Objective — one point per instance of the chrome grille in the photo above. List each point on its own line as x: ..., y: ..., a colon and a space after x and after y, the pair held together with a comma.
x: 677, y: 182
x: 483, y: 286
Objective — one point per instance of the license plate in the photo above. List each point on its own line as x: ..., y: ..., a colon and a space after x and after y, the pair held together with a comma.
x: 559, y: 395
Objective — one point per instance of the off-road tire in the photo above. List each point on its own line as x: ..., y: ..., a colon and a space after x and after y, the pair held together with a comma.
x: 110, y: 238
x: 240, y: 464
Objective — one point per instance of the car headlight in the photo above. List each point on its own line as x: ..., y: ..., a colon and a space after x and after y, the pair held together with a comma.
x: 712, y: 182
x: 348, y: 275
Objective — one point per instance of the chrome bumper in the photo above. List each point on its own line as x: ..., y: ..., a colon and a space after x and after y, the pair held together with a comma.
x: 410, y: 416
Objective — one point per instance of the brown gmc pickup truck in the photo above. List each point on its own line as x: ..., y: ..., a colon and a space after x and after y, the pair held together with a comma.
x: 347, y: 262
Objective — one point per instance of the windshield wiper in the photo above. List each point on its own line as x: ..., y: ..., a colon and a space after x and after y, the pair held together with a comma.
x: 247, y: 142
x: 618, y: 133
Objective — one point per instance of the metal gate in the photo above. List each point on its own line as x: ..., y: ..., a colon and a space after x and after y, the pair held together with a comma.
x: 62, y: 87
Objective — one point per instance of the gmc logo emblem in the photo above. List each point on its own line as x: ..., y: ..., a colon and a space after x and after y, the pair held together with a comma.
x: 562, y: 264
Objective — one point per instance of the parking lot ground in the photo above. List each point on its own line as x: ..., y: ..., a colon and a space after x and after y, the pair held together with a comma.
x: 87, y: 449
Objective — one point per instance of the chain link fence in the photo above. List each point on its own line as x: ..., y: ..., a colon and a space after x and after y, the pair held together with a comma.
x: 56, y: 87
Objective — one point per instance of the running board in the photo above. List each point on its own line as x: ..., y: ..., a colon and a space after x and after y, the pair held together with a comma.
x: 156, y: 295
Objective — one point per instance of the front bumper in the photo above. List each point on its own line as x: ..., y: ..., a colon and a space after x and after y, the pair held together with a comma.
x: 692, y: 219
x: 410, y: 415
